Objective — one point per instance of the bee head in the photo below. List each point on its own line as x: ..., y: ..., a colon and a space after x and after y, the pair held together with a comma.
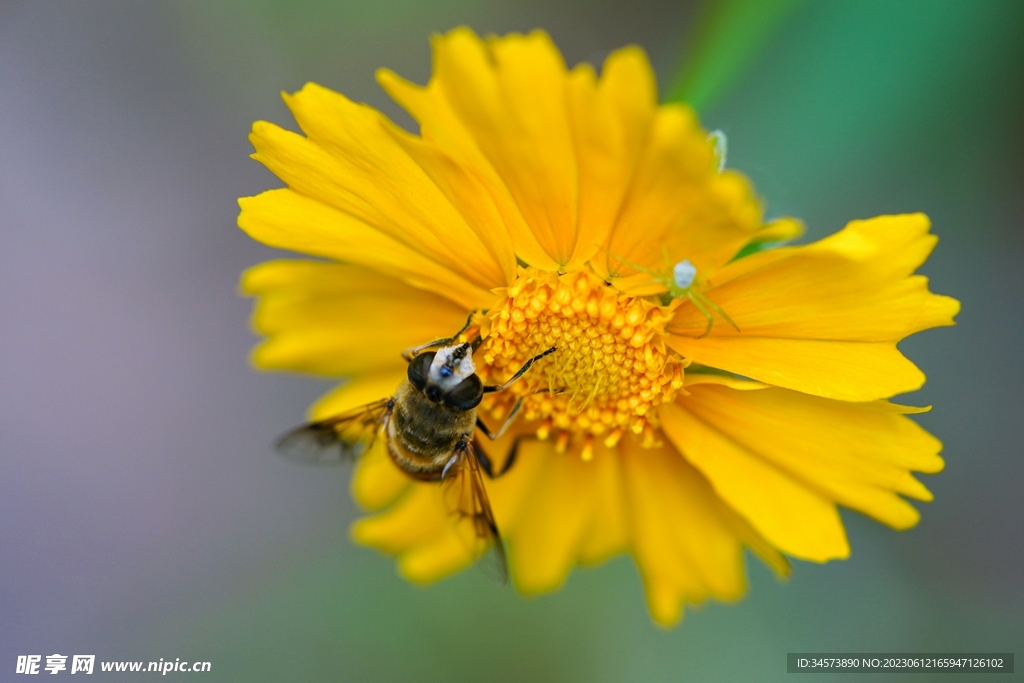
x: 447, y: 376
x: 451, y: 365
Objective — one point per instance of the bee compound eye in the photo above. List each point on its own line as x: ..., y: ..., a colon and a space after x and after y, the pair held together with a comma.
x: 419, y: 367
x: 466, y: 395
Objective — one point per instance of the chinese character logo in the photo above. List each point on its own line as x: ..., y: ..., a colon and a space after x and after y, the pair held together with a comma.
x: 82, y: 664
x: 28, y: 664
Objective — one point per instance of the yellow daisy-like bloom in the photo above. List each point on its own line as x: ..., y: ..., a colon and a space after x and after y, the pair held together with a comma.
x: 557, y: 203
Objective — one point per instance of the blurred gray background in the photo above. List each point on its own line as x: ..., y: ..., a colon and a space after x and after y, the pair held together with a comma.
x: 142, y: 513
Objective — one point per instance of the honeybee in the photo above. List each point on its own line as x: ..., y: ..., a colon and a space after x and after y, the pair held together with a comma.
x: 429, y: 431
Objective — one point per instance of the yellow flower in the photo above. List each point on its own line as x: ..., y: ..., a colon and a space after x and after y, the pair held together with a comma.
x: 558, y: 205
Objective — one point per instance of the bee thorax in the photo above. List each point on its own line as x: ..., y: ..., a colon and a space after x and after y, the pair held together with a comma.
x: 423, y: 435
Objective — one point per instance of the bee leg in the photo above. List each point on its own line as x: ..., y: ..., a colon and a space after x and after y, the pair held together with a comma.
x: 412, y: 352
x: 488, y: 466
x: 520, y: 373
x: 494, y: 436
x: 512, y: 453
x: 448, y: 465
x: 484, y: 460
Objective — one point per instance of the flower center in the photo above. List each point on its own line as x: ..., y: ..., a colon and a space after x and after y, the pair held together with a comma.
x: 610, y: 367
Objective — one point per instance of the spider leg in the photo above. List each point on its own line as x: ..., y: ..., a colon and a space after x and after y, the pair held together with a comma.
x: 718, y: 309
x: 692, y: 296
x: 665, y: 256
x: 660, y: 279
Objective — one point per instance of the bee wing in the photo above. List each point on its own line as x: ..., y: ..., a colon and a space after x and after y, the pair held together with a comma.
x: 338, y: 439
x: 466, y: 497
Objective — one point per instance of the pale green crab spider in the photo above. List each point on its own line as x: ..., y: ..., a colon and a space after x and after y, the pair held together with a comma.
x: 681, y: 284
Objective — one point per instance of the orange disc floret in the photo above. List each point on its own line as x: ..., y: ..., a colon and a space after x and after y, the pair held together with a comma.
x: 610, y: 368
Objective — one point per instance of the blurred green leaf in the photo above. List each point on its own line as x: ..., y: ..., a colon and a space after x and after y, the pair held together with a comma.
x: 729, y: 34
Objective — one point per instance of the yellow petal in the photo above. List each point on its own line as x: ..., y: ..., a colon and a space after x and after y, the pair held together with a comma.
x: 608, y: 532
x: 912, y: 488
x: 848, y: 371
x: 445, y: 555
x: 381, y: 170
x: 508, y: 492
x: 854, y: 454
x: 610, y: 122
x: 468, y: 193
x: 779, y: 230
x: 853, y: 286
x: 429, y: 541
x: 528, y: 499
x: 333, y: 319
x: 795, y: 519
x: 698, y: 377
x: 419, y: 519
x: 444, y: 136
x: 415, y: 520
x: 552, y: 520
x: 352, y: 163
x: 683, y: 541
x: 510, y: 95
x: 283, y: 218
x: 507, y: 99
x: 679, y: 203
x: 377, y: 481
x: 824, y: 318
